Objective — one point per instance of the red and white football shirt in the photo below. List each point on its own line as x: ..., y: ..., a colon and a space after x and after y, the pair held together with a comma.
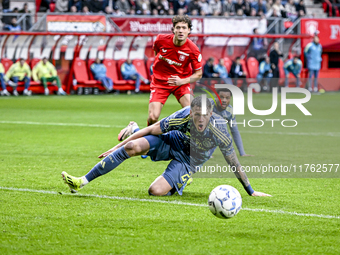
x: 174, y: 60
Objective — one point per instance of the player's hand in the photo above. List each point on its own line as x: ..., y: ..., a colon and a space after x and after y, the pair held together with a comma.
x: 103, y: 155
x: 260, y: 194
x: 174, y: 80
x: 247, y: 155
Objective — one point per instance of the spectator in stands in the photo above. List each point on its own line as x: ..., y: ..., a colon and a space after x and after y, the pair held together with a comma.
x: 77, y: 3
x: 222, y: 71
x: 5, y: 6
x: 274, y: 56
x: 117, y: 12
x: 123, y: 6
x: 44, y: 5
x: 313, y: 52
x: 246, y: 7
x: 265, y: 72
x: 155, y: 5
x: 208, y: 69
x: 269, y: 8
x: 180, y: 4
x: 205, y: 7
x: 4, y: 91
x: 44, y: 72
x: 291, y: 10
x: 108, y: 10
x: 238, y: 5
x: 301, y: 6
x: 19, y: 71
x: 181, y: 11
x: 301, y: 14
x: 164, y: 10
x: 171, y: 12
x: 8, y: 18
x: 228, y: 7
x: 293, y: 66
x: 143, y: 7
x: 129, y: 72
x: 13, y: 27
x: 279, y: 9
x: 253, y: 12
x: 258, y: 45
x: 99, y: 73
x: 27, y: 20
x: 259, y: 5
x: 237, y: 72
x: 61, y: 5
x: 86, y: 10
x: 215, y: 7
x: 262, y: 26
x: 193, y: 5
x: 73, y: 9
x: 239, y: 13
x: 97, y: 5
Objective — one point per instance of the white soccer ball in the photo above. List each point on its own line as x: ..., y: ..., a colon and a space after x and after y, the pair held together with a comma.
x: 225, y: 201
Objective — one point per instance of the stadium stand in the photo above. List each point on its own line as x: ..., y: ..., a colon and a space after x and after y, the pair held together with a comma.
x: 116, y: 50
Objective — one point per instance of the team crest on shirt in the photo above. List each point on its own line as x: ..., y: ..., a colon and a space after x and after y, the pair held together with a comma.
x: 182, y: 55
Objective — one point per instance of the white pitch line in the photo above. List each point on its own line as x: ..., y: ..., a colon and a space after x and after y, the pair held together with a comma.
x: 120, y: 126
x: 168, y: 202
x: 59, y: 124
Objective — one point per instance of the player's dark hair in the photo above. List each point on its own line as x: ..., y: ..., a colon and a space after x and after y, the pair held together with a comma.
x: 237, y: 58
x: 197, y: 101
x: 296, y: 57
x: 181, y: 18
x: 224, y: 90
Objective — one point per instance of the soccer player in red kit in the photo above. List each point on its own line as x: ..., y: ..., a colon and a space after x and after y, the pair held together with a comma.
x: 177, y: 64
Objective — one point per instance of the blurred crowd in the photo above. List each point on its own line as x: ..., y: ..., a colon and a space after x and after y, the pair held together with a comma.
x: 270, y: 8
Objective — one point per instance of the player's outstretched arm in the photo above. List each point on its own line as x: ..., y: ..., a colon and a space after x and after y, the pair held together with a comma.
x: 154, y: 129
x: 242, y: 176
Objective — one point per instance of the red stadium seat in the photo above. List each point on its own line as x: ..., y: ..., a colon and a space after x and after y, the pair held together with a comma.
x: 6, y: 63
x: 112, y: 72
x: 228, y: 63
x: 34, y: 61
x: 140, y: 66
x: 52, y: 7
x: 82, y: 77
x: 253, y: 67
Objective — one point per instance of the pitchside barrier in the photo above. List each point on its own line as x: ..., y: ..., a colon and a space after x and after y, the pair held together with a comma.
x: 73, y: 54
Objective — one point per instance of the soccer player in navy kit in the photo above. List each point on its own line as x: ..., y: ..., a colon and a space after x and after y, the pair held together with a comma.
x: 187, y: 138
x: 225, y: 110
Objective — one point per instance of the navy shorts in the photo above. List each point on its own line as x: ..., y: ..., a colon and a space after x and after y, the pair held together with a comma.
x: 169, y: 147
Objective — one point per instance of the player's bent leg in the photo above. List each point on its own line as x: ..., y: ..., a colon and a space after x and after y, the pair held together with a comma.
x: 160, y: 187
x: 155, y: 109
x: 137, y: 147
x: 185, y: 100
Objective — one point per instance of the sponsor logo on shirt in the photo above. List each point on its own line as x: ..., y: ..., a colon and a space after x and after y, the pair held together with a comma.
x: 169, y: 61
x: 164, y: 50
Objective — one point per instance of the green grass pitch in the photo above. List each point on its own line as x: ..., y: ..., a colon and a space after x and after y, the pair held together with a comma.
x: 42, y: 136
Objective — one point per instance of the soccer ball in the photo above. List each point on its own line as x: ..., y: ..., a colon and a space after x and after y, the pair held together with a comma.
x: 225, y: 201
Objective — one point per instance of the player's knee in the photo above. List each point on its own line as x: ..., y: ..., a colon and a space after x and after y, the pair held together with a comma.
x: 132, y: 148
x: 155, y: 191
